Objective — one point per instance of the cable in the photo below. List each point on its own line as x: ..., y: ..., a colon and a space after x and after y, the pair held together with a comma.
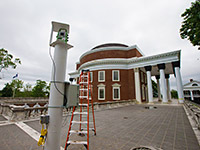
x: 54, y: 74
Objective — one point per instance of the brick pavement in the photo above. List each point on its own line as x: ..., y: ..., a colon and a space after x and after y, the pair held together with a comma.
x: 166, y: 127
x: 13, y: 138
x: 2, y: 118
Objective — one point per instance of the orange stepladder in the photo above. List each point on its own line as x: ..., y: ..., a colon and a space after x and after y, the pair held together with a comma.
x: 85, y: 106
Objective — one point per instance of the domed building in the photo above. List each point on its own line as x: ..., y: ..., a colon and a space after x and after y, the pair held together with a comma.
x: 121, y: 72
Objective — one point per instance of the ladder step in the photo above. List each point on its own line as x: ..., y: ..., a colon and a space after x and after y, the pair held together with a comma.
x: 80, y: 122
x: 78, y: 131
x: 77, y: 142
x: 83, y: 83
x: 85, y: 129
x: 81, y: 113
x: 85, y: 97
x: 83, y: 76
x: 83, y: 105
x: 83, y: 89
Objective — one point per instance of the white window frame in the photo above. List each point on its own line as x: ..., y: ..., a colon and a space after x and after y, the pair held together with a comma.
x: 113, y: 72
x: 101, y: 88
x: 143, y: 92
x: 118, y: 88
x: 91, y: 76
x: 99, y: 72
x: 142, y: 77
x: 145, y: 78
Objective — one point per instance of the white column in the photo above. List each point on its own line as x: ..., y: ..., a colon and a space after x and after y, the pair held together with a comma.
x: 168, y: 89
x: 149, y: 83
x: 137, y: 85
x: 158, y: 87
x: 55, y: 109
x: 191, y: 94
x: 163, y: 85
x: 179, y: 85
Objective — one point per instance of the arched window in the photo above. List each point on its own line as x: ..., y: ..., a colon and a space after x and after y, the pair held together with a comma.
x: 194, y: 84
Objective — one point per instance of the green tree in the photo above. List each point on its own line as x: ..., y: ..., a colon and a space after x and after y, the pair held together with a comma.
x: 190, y: 28
x: 174, y: 94
x: 7, y: 60
x: 7, y: 91
x: 40, y: 89
x: 48, y: 90
x: 27, y: 90
x: 17, y: 85
x: 155, y: 90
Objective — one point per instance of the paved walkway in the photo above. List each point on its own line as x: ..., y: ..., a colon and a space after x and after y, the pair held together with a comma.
x: 166, y: 127
x: 2, y: 118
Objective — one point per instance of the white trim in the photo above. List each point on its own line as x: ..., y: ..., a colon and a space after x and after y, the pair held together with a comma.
x: 131, y: 62
x: 101, y: 88
x: 118, y: 88
x: 191, y: 88
x: 189, y: 84
x: 116, y: 85
x: 135, y: 62
x: 101, y: 85
x: 99, y: 72
x: 118, y: 73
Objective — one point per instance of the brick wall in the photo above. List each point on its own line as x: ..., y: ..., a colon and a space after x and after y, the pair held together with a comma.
x: 127, y: 88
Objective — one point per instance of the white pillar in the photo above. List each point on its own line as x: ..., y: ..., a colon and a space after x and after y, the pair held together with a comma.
x: 169, y: 91
x: 168, y: 87
x: 55, y: 109
x: 161, y: 67
x: 192, y: 97
x: 158, y: 87
x: 149, y: 83
x: 163, y: 85
x: 179, y: 85
x: 137, y: 85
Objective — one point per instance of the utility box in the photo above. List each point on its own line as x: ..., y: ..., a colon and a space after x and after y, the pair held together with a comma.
x: 71, y: 92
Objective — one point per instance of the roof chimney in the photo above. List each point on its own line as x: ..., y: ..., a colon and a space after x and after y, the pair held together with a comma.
x: 191, y: 80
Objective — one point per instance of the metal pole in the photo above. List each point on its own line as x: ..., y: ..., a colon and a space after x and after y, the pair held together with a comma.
x: 56, y: 97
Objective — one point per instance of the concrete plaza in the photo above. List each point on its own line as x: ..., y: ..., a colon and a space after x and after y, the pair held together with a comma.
x: 166, y: 127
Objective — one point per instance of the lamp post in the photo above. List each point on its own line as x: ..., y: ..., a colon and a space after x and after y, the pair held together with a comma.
x: 55, y: 108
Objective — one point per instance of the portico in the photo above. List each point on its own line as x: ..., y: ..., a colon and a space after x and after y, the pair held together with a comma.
x: 162, y: 66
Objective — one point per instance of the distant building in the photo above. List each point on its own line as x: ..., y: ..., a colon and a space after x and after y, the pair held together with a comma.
x: 191, y: 90
x: 121, y: 72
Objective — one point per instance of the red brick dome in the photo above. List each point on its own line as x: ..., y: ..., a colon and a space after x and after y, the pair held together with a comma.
x: 109, y: 50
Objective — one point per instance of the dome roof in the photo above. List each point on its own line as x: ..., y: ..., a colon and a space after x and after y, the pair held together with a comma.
x: 110, y: 45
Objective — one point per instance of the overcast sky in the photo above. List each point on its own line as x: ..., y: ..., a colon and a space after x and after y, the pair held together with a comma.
x: 153, y: 25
